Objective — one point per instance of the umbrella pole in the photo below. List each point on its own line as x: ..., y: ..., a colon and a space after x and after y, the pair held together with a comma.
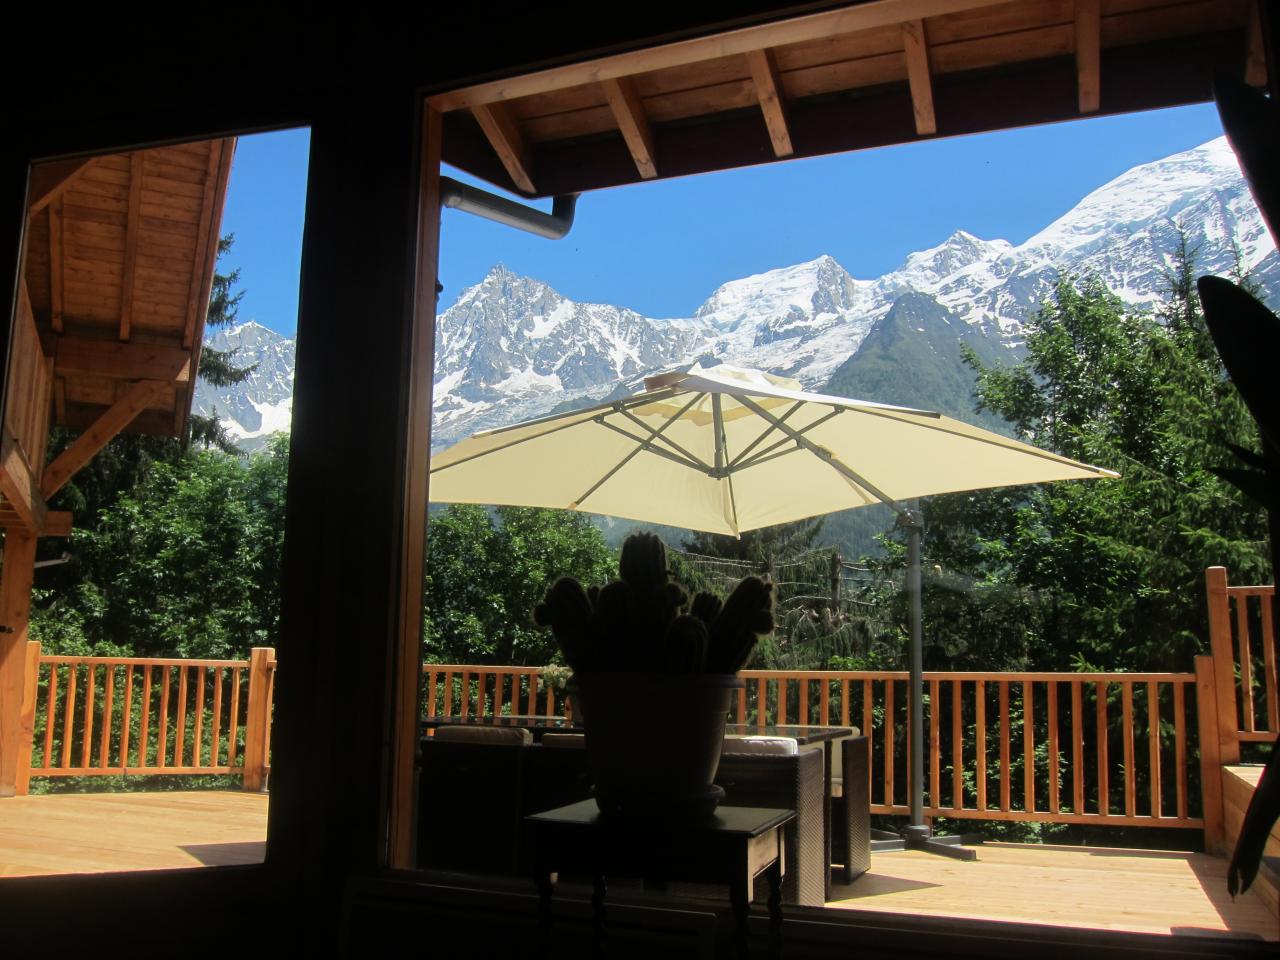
x: 918, y: 835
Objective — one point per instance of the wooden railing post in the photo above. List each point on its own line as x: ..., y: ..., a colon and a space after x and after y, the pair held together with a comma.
x: 1208, y: 715
x: 1224, y: 663
x: 27, y: 720
x: 256, y: 723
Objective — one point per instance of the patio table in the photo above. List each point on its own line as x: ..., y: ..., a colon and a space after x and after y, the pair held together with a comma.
x: 537, y: 725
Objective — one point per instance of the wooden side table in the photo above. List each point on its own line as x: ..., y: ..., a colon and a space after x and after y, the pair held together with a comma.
x: 733, y: 847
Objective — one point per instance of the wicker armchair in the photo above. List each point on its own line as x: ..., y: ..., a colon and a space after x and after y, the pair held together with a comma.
x: 792, y: 782
x: 851, y: 808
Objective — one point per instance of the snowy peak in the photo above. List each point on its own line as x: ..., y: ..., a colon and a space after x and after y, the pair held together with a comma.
x: 819, y: 286
x: 928, y: 268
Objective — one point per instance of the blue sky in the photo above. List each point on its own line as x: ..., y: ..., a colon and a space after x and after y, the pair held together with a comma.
x: 662, y: 248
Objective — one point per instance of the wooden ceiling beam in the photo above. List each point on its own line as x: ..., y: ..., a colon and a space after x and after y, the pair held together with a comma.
x: 118, y: 416
x: 507, y: 142
x: 817, y: 26
x: 628, y: 112
x: 133, y: 227
x: 79, y: 356
x: 206, y: 254
x: 1089, y: 54
x: 764, y: 74
x: 48, y: 180
x: 1255, y: 59
x: 56, y: 289
x: 915, y: 46
x: 19, y: 485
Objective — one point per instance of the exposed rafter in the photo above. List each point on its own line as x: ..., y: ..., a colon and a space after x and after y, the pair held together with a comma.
x: 118, y: 416
x: 916, y: 48
x: 48, y: 180
x: 120, y: 361
x: 1089, y: 54
x: 505, y: 138
x: 216, y: 173
x: 132, y: 229
x: 764, y: 74
x: 628, y: 111
x: 56, y: 262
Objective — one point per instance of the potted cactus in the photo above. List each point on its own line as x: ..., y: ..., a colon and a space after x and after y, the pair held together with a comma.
x: 654, y: 675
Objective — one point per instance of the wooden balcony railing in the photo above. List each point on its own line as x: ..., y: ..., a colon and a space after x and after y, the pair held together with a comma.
x: 108, y: 716
x: 474, y: 690
x: 1242, y: 635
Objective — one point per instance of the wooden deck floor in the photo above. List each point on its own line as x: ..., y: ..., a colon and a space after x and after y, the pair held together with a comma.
x: 1144, y: 891
x: 105, y: 832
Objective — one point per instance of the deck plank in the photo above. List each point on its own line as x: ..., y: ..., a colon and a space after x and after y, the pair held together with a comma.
x: 105, y: 832
x: 1143, y: 891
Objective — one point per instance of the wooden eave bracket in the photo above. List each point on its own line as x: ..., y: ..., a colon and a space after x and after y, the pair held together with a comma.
x: 118, y: 416
x: 504, y: 136
x: 628, y: 112
x: 19, y: 486
x: 764, y: 75
x: 915, y: 47
x: 1089, y: 54
x: 49, y: 180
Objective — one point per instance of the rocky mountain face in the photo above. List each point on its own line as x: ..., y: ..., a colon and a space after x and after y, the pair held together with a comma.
x: 511, y: 347
x: 263, y: 404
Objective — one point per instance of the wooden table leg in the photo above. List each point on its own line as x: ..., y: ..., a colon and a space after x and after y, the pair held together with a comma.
x: 774, y: 875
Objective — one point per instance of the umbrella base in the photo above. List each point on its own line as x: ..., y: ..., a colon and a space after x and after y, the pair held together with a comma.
x: 920, y: 837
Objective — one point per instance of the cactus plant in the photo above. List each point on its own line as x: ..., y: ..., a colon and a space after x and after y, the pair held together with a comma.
x: 645, y: 622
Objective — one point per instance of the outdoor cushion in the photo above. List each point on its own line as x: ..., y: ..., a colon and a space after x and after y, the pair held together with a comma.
x: 762, y: 746
x: 499, y: 735
x: 575, y: 741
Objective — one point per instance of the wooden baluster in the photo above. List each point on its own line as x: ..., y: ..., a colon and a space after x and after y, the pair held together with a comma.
x: 144, y: 737
x: 868, y: 701
x: 762, y: 700
x: 86, y: 746
x: 530, y: 694
x: 1153, y: 745
x: 1246, y: 662
x: 126, y: 722
x: 980, y: 747
x: 233, y: 718
x: 1269, y: 662
x: 432, y: 678
x: 742, y: 704
x: 1126, y: 711
x: 1004, y: 746
x: 1051, y: 707
x: 935, y: 747
x: 1028, y: 746
x: 1104, y: 778
x: 782, y: 701
x: 108, y: 706
x: 464, y: 703
x: 257, y: 729
x: 844, y: 701
x: 50, y: 717
x: 1224, y: 670
x: 1077, y: 747
x: 215, y: 748
x: 68, y: 721
x: 162, y: 750
x: 957, y: 746
x: 824, y: 702
x: 888, y: 743
x: 1180, y: 745
x: 197, y: 735
x: 180, y: 732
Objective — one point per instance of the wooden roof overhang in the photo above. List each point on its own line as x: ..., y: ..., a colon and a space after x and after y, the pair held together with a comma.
x: 871, y: 74
x: 117, y: 271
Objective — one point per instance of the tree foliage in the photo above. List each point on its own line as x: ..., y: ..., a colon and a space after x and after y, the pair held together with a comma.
x: 486, y: 569
x: 1103, y: 573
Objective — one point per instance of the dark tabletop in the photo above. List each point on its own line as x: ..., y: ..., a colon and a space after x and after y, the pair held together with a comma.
x: 748, y: 821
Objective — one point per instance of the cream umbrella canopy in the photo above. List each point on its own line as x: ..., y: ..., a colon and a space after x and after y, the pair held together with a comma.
x: 727, y: 450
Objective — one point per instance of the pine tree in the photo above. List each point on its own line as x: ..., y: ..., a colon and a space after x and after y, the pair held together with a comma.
x: 218, y: 367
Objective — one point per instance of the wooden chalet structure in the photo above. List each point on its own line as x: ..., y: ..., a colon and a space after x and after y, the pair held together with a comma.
x: 114, y: 288
x: 545, y: 101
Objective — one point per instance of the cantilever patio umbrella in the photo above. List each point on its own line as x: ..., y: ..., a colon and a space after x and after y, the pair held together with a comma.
x: 728, y: 450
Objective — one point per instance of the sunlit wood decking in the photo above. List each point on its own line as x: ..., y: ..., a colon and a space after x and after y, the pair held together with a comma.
x: 1143, y: 891
x: 105, y: 832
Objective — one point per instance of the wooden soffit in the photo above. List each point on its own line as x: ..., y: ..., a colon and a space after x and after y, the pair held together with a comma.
x: 866, y: 75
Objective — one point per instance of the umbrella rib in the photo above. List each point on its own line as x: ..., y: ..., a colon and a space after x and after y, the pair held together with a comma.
x: 765, y: 454
x: 644, y: 445
x: 820, y: 452
x: 756, y: 442
x: 694, y: 461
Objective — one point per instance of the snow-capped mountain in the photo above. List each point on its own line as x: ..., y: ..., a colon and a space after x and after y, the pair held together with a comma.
x: 511, y: 347
x: 263, y: 404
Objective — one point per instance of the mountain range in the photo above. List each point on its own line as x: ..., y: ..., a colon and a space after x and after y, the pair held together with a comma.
x: 511, y: 347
